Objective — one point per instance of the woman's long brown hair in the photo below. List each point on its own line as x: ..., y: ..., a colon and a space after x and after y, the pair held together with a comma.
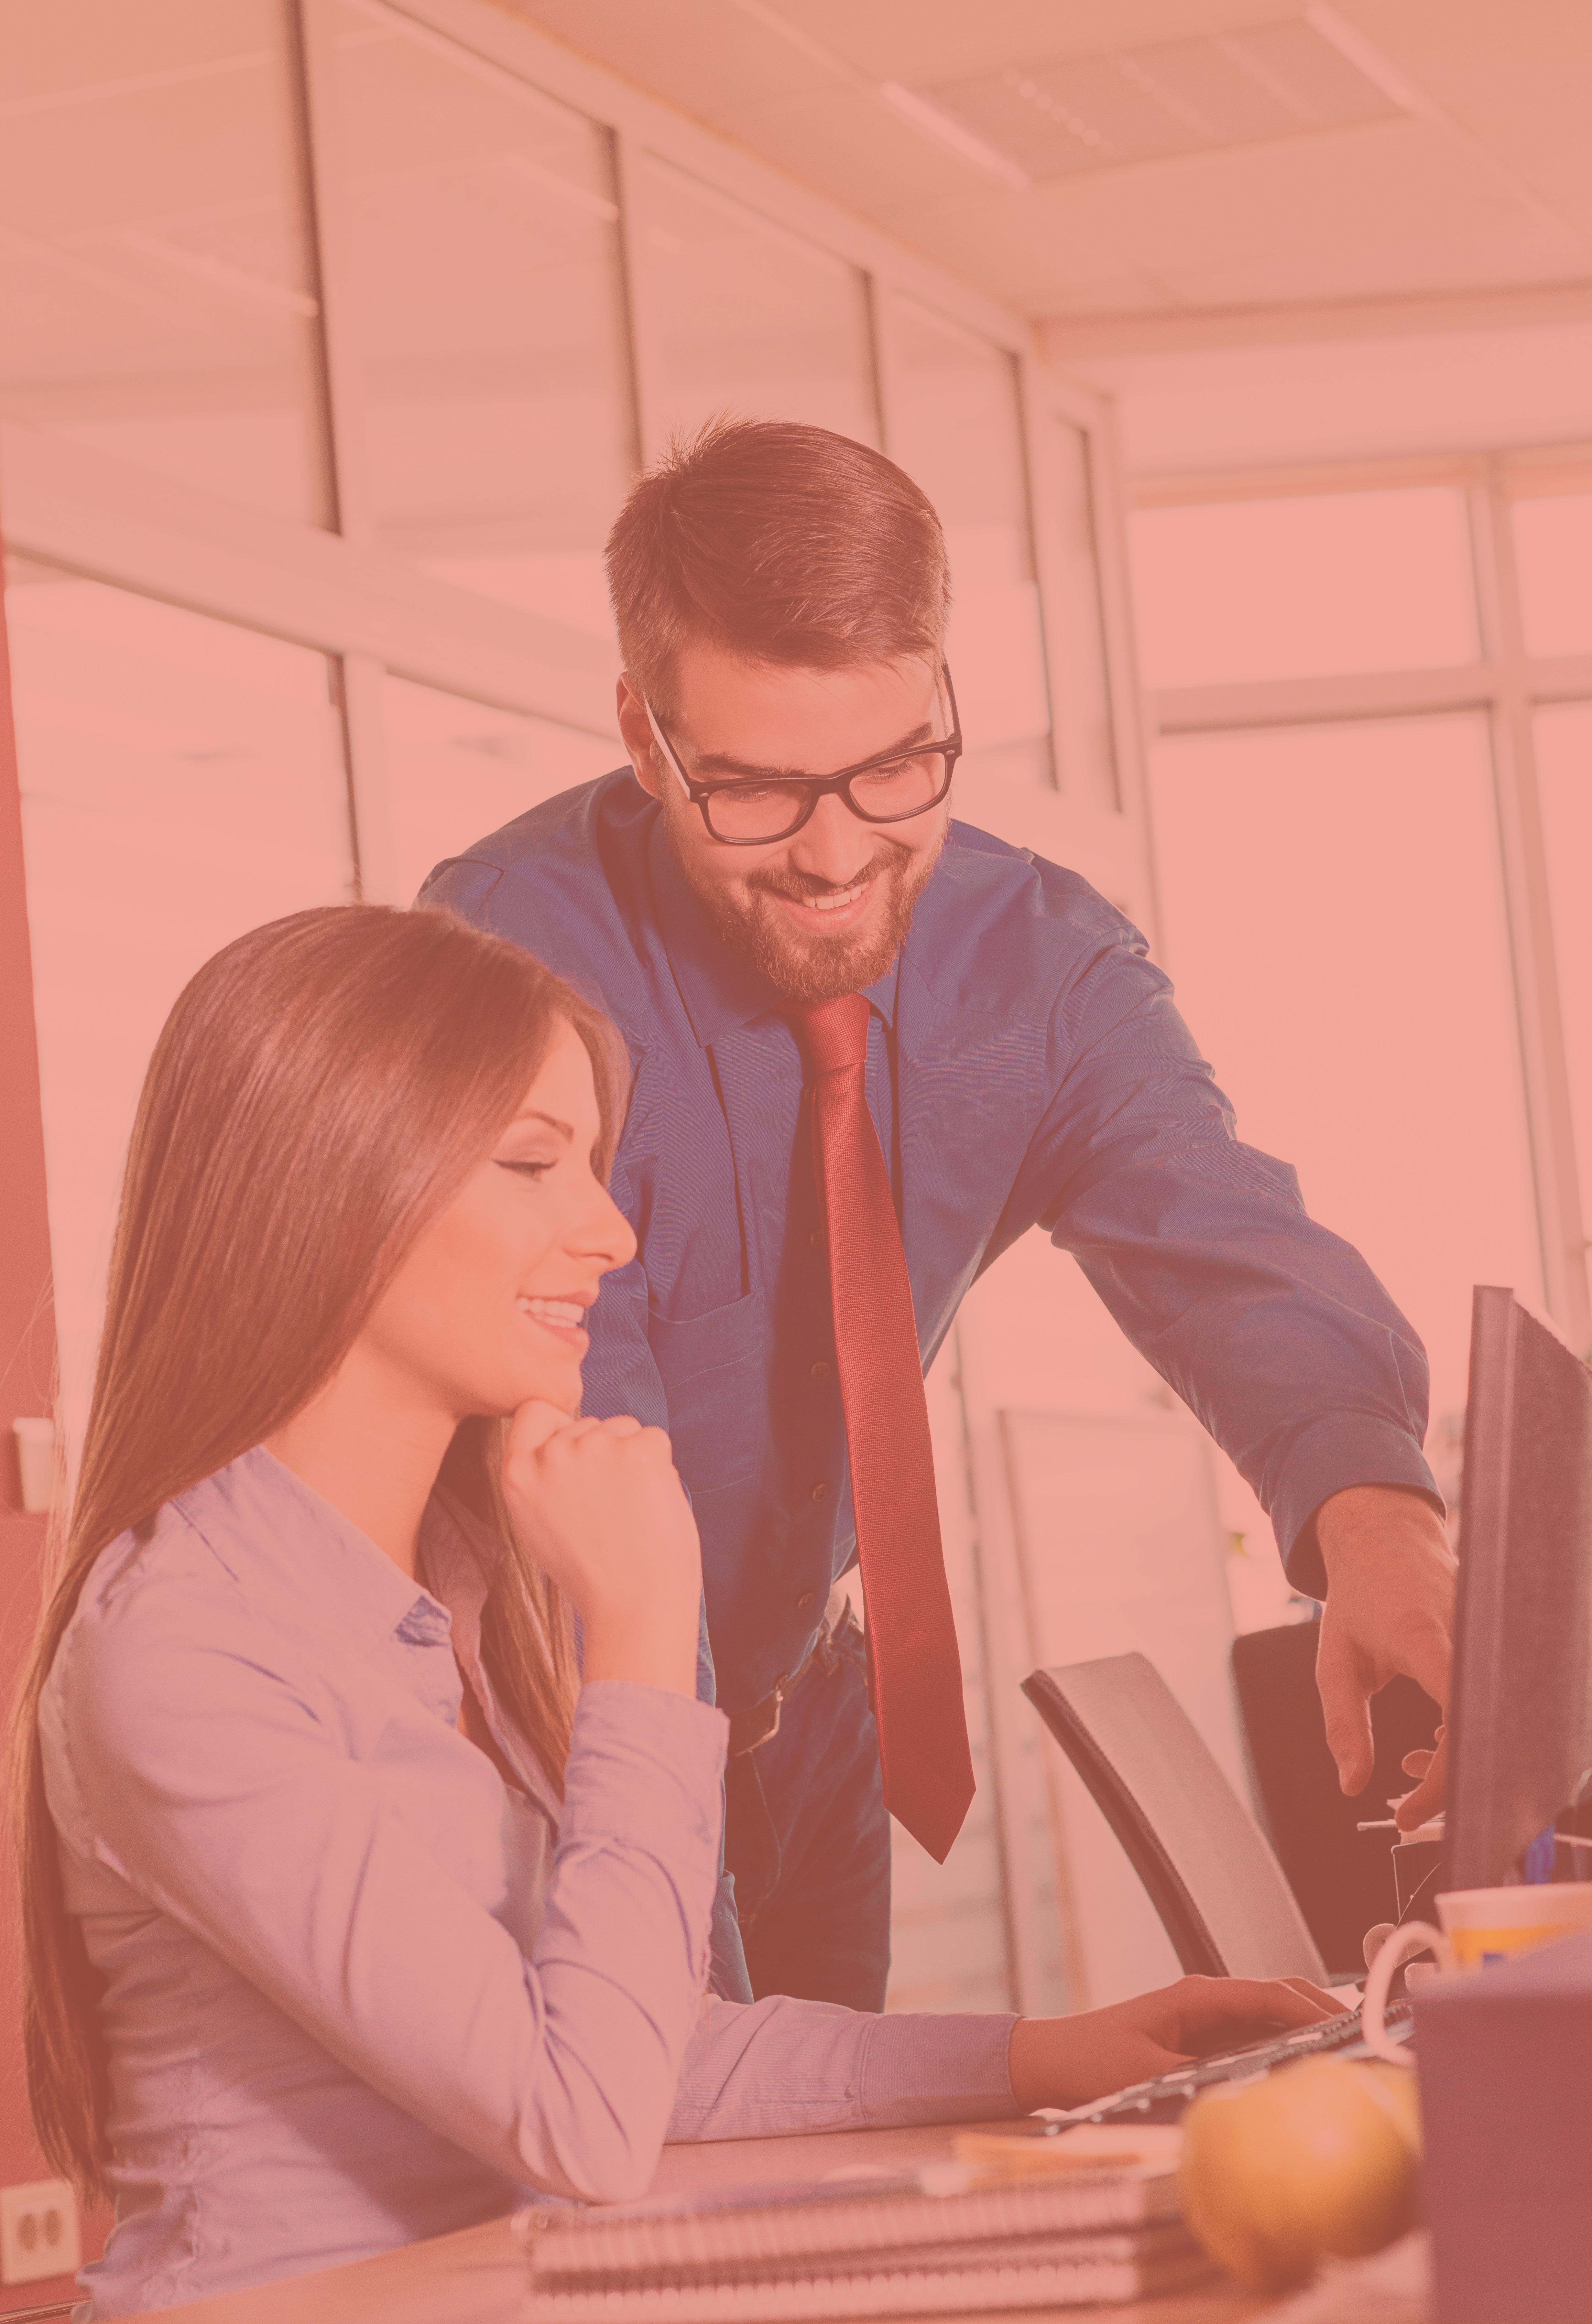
x: 320, y: 1090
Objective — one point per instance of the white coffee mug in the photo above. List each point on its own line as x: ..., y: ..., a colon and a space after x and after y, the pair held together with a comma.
x: 1479, y: 1926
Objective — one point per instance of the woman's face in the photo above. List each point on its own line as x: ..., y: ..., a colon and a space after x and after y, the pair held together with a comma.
x: 485, y: 1313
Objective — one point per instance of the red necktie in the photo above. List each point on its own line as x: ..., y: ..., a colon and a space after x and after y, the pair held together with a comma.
x: 917, y: 1670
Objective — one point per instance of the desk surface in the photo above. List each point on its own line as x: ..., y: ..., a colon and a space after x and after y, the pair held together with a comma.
x: 477, y: 2276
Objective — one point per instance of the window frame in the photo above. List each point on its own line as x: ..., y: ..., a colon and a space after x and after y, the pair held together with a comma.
x: 1509, y: 686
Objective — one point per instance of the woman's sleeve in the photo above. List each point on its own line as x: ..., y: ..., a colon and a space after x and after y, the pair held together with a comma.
x: 761, y: 2068
x: 224, y: 1791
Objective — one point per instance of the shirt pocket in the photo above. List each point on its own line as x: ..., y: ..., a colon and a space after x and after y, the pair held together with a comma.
x: 711, y: 1367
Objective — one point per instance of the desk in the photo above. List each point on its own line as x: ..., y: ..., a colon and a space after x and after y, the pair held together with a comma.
x: 477, y: 2276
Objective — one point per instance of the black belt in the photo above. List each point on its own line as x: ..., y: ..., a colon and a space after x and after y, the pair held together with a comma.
x: 748, y: 1728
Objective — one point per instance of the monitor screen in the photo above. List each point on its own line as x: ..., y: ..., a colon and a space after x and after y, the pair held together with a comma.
x: 1520, y: 1715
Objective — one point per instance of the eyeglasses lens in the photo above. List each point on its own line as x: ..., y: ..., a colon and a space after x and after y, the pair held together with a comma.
x: 883, y: 794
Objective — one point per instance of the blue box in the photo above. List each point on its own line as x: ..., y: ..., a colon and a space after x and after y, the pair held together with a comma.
x: 1507, y: 2102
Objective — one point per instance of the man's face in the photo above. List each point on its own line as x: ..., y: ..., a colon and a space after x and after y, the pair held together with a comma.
x: 825, y: 912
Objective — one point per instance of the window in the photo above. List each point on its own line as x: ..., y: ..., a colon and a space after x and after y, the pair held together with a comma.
x: 455, y: 770
x: 156, y: 276
x: 1334, y: 923
x: 956, y: 425
x: 744, y: 317
x: 182, y: 781
x: 1248, y: 589
x: 1370, y: 596
x: 1553, y: 553
x: 1085, y: 739
x: 1564, y: 764
x: 491, y: 330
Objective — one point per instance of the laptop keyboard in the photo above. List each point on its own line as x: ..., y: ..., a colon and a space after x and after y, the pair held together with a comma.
x: 1165, y: 2098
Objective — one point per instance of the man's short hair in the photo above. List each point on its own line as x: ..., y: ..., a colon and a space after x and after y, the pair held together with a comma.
x: 781, y: 543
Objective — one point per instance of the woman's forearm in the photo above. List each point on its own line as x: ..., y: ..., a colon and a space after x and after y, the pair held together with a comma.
x: 765, y: 2069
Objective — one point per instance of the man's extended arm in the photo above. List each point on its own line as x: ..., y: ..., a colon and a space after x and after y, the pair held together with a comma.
x: 1273, y: 1330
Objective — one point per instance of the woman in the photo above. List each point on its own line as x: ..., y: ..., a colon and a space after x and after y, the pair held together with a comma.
x: 351, y: 1910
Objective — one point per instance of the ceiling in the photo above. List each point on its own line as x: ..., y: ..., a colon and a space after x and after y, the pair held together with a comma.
x: 1274, y: 230
x: 1099, y: 158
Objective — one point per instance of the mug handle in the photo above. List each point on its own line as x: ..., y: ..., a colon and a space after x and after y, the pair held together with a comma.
x: 1414, y: 1937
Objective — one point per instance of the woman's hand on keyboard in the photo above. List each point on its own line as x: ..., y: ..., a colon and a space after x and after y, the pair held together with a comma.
x: 1066, y: 2061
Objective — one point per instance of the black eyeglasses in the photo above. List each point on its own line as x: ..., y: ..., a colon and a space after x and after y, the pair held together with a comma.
x: 755, y: 811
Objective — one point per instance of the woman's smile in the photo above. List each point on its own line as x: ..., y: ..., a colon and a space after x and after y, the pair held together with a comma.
x: 561, y: 1317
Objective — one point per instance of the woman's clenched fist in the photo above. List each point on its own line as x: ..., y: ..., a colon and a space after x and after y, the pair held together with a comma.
x: 598, y: 1504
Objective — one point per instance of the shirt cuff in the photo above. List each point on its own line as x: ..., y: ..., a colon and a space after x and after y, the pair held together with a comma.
x: 645, y: 1765
x: 1331, y: 1455
x: 934, y: 2068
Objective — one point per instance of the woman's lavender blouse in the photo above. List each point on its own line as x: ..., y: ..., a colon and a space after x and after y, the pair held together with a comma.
x: 357, y: 1989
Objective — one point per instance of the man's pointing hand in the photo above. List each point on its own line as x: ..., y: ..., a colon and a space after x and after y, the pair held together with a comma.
x: 1390, y: 1608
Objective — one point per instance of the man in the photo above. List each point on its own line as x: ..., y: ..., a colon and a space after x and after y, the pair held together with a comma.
x: 870, y: 1049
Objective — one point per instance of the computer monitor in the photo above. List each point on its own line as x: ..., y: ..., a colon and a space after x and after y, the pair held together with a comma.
x: 1519, y: 1713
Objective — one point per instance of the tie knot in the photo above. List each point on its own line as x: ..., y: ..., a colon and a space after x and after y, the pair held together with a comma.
x: 833, y: 1034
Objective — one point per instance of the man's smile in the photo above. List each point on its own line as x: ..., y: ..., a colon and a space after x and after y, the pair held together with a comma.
x: 837, y: 909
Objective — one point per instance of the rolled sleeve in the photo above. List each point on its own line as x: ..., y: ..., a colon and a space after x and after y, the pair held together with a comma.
x: 934, y: 2068
x: 771, y: 2067
x: 1325, y: 1457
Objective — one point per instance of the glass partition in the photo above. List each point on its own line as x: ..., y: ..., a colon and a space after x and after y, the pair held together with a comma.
x: 182, y: 780
x: 500, y: 435
x: 1247, y: 589
x: 1554, y: 559
x: 156, y: 278
x: 1564, y: 775
x: 454, y: 772
x: 744, y: 317
x: 956, y: 425
x: 1334, y: 921
x: 1085, y: 735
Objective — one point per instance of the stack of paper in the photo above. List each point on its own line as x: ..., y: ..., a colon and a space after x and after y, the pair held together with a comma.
x: 953, y: 2240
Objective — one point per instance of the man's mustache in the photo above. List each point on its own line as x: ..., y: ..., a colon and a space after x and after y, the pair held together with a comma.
x: 799, y: 885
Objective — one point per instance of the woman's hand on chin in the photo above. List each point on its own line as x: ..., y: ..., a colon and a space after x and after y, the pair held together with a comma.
x: 1066, y: 2061
x: 598, y: 1504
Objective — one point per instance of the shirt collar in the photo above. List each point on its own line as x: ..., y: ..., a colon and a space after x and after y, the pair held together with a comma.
x: 317, y: 1569
x: 307, y: 1564
x: 719, y: 991
x: 306, y: 1567
x: 459, y: 1557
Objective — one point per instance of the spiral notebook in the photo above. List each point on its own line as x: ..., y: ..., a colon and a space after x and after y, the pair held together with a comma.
x: 948, y: 2240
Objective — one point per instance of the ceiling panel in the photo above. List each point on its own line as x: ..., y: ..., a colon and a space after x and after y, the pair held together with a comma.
x: 1054, y: 265
x: 1130, y: 104
x: 1394, y: 208
x: 924, y: 41
x: 1183, y: 153
x: 860, y: 152
x: 1472, y: 50
x: 706, y: 56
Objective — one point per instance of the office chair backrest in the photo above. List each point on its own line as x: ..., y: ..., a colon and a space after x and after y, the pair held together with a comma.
x: 1210, y: 1875
x: 1342, y: 1876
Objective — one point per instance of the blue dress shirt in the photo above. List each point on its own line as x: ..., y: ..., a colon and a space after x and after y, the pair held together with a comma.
x: 1026, y: 1068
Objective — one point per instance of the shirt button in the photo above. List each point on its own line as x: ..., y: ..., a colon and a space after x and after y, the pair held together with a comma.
x: 816, y: 1492
x: 803, y: 1602
x: 816, y: 1239
x: 819, y: 1371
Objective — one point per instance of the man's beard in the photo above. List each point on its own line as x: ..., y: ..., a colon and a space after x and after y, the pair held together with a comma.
x: 820, y: 967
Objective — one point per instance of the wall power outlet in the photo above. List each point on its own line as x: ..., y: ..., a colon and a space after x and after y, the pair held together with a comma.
x: 38, y: 2232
